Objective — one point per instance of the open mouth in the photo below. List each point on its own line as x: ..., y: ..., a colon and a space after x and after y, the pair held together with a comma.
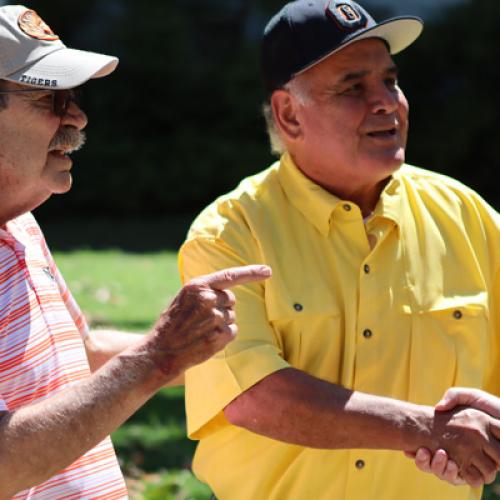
x: 383, y: 133
x: 60, y: 154
x: 60, y: 151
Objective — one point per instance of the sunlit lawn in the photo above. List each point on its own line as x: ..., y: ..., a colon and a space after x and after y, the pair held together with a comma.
x: 121, y: 289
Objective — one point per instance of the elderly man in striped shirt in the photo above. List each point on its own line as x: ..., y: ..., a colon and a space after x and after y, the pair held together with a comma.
x: 63, y: 389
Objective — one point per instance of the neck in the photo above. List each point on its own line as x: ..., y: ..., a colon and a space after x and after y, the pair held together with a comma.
x: 9, y: 213
x: 14, y: 206
x: 365, y: 196
x: 361, y: 185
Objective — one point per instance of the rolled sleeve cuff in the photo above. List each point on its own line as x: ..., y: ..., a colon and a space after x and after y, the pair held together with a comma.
x: 210, y: 387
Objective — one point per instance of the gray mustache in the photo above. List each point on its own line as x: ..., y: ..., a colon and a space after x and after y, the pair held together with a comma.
x: 68, y: 139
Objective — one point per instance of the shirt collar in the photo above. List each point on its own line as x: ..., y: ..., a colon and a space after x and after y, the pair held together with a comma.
x: 315, y: 203
x: 389, y: 203
x: 318, y: 205
x: 12, y: 235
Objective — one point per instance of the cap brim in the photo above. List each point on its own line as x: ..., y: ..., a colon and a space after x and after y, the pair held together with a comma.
x: 65, y: 68
x: 398, y: 32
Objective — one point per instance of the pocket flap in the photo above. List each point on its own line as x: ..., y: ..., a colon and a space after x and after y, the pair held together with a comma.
x: 458, y: 306
x: 295, y: 304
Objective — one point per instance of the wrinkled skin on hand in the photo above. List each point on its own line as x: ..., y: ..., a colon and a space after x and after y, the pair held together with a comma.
x: 440, y: 464
x: 200, y: 321
x: 470, y: 437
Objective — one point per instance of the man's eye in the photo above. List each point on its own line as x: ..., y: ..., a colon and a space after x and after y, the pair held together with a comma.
x: 42, y: 99
x: 39, y: 96
x: 353, y: 89
x: 45, y: 98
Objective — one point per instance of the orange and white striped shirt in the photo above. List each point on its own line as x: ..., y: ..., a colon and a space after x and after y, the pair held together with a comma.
x: 42, y: 353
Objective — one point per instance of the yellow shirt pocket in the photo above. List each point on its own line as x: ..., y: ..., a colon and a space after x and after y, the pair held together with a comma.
x: 311, y: 335
x: 449, y: 347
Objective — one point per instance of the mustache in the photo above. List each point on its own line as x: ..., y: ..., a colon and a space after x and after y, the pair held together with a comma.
x: 67, y: 139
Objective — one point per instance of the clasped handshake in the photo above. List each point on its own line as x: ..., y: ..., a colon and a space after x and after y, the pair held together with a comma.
x: 468, y: 451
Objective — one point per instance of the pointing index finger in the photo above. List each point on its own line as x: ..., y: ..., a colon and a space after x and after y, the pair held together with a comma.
x: 233, y: 276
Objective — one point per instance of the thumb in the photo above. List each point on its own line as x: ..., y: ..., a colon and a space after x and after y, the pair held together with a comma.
x: 233, y: 276
x: 448, y: 401
x: 459, y: 396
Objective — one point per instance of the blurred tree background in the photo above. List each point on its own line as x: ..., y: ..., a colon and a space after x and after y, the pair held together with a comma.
x: 179, y: 122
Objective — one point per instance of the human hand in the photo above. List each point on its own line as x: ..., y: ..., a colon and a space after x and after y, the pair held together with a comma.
x: 200, y: 321
x: 440, y: 464
x: 470, y: 437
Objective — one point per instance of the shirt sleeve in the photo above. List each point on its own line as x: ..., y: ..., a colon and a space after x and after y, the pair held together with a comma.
x: 68, y: 299
x: 254, y: 354
x: 71, y: 304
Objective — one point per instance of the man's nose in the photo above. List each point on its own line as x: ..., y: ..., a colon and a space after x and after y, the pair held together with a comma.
x: 75, y: 117
x: 384, y: 100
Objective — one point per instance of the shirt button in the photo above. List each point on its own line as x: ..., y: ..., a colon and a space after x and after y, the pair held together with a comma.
x: 366, y: 269
x: 457, y: 314
x: 347, y: 207
x: 360, y: 464
x: 367, y: 334
x: 298, y: 307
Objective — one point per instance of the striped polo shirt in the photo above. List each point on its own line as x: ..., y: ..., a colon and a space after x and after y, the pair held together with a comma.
x: 42, y: 353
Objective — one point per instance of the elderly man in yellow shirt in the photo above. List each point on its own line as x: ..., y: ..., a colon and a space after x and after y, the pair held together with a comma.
x: 384, y: 291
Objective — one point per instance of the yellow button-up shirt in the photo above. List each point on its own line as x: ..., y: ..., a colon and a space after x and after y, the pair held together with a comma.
x: 403, y: 305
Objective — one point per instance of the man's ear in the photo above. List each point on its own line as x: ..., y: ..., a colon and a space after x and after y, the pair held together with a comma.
x: 285, y: 107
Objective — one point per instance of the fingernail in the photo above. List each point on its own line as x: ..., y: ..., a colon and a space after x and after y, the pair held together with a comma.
x: 442, y: 405
x: 266, y: 270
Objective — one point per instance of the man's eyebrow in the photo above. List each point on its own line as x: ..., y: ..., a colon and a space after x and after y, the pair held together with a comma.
x: 353, y: 76
x: 392, y: 70
x: 357, y: 75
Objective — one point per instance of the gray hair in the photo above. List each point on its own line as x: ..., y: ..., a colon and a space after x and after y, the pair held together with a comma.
x: 298, y: 87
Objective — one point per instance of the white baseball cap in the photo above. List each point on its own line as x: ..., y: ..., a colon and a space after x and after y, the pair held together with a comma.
x: 32, y: 54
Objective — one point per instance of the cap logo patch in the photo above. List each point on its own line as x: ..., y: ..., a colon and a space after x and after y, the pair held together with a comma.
x: 347, y: 16
x: 34, y: 26
x: 348, y: 13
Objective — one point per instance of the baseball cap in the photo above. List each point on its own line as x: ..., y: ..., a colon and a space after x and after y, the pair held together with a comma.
x: 32, y: 54
x: 304, y: 32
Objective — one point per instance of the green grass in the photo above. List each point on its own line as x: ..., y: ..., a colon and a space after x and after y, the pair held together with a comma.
x: 120, y: 289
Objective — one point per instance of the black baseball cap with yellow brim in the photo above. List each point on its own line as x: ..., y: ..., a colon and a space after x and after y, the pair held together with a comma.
x: 305, y: 32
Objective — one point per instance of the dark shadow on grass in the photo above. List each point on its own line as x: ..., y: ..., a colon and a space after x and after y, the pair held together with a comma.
x: 132, y: 234
x: 141, y: 442
x: 126, y: 326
